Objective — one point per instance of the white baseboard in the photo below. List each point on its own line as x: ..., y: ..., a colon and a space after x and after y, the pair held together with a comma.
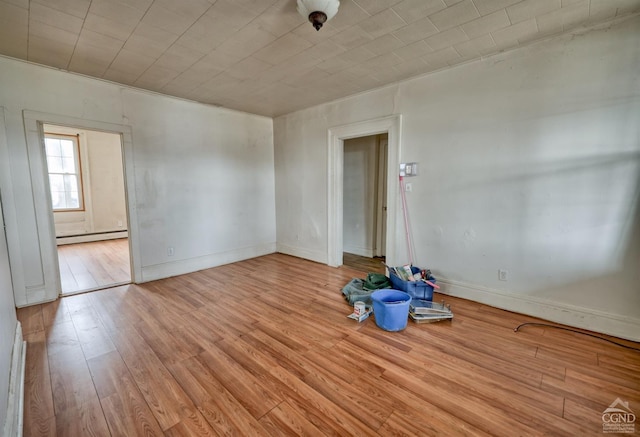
x: 312, y: 255
x: 15, y: 408
x: 361, y: 251
x: 62, y: 240
x: 566, y: 314
x: 180, y: 267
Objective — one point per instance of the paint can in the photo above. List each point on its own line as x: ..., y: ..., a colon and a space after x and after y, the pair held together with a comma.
x: 359, y: 308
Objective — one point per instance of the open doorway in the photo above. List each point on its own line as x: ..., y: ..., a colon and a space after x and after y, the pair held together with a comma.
x: 391, y: 126
x: 89, y: 208
x: 365, y: 202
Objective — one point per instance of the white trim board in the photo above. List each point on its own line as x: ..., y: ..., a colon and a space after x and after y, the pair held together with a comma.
x: 33, y: 121
x: 335, y: 163
x: 15, y: 407
x: 566, y: 314
x: 61, y: 241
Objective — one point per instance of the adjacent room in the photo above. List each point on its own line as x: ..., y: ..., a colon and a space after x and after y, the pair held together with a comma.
x: 187, y: 186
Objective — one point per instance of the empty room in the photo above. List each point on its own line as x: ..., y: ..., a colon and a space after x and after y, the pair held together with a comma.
x: 189, y: 190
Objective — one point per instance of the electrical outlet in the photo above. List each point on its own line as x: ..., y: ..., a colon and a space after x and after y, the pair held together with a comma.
x: 119, y: 223
x: 503, y: 275
x: 170, y: 251
x: 408, y: 188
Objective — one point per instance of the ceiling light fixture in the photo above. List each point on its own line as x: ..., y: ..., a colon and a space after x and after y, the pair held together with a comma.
x: 318, y: 11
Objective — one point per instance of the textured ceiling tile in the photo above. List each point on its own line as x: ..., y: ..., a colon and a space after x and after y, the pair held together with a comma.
x: 566, y: 18
x: 168, y: 20
x: 77, y: 8
x: 246, y: 41
x: 455, y: 15
x: 54, y: 34
x: 603, y: 9
x: 206, y: 34
x: 47, y: 52
x: 413, y: 50
x: 191, y: 9
x: 383, y: 44
x: 178, y: 58
x: 348, y: 15
x: 114, y: 29
x: 531, y: 8
x: 382, y: 23
x: 141, y: 5
x: 326, y: 49
x: 155, y: 78
x: 131, y: 62
x: 410, y: 68
x: 13, y: 43
x: 86, y: 62
x: 416, y: 31
x: 116, y: 11
x: 248, y: 68
x: 412, y: 10
x: 125, y: 77
x: 372, y: 7
x: 230, y: 14
x: 509, y: 36
x: 190, y: 79
x: 146, y: 46
x: 99, y: 41
x: 479, y: 46
x: 219, y: 60
x: 10, y: 13
x: 486, y: 7
x: 54, y: 18
x: 446, y: 39
x: 280, y: 18
x: 24, y: 4
x: 282, y: 49
x: 351, y: 38
x: 441, y: 58
x: 487, y: 24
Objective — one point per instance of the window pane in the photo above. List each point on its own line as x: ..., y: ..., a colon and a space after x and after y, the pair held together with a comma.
x: 54, y: 163
x: 52, y: 146
x: 70, y: 183
x: 57, y: 199
x: 72, y: 200
x: 56, y: 182
x: 68, y: 165
x: 67, y: 148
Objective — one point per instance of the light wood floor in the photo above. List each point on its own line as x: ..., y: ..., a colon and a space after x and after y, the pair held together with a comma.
x: 263, y: 347
x: 363, y: 263
x: 89, y: 266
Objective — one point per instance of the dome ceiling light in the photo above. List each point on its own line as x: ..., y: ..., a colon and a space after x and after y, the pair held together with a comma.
x: 318, y: 11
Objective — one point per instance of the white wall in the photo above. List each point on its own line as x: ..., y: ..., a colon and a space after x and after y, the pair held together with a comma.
x: 360, y: 180
x: 529, y: 162
x: 8, y: 319
x: 103, y: 186
x: 202, y: 178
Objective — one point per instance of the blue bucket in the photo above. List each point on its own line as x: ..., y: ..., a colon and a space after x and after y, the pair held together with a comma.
x: 391, y: 309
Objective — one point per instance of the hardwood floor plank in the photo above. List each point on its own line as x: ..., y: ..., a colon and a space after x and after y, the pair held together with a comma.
x: 85, y: 266
x: 39, y: 414
x: 263, y: 347
x: 84, y: 420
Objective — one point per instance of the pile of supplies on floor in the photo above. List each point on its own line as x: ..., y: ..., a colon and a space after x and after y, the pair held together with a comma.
x: 414, y: 283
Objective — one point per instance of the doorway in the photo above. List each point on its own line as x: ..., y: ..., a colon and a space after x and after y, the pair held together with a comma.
x: 85, y: 175
x: 391, y: 126
x: 365, y: 202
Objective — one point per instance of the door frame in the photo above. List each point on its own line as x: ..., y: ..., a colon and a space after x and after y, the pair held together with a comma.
x: 33, y: 122
x: 392, y: 125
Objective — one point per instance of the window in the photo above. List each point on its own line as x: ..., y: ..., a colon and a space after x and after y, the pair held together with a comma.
x: 63, y: 162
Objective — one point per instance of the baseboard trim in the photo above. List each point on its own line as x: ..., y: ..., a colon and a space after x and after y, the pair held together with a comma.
x: 15, y: 408
x: 181, y: 267
x: 360, y: 251
x: 312, y: 255
x: 62, y: 240
x: 566, y: 314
